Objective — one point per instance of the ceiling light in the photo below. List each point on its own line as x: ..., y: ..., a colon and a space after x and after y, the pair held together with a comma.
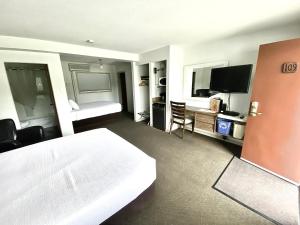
x: 90, y: 41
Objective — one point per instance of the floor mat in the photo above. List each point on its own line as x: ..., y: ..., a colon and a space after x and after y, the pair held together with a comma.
x: 260, y: 191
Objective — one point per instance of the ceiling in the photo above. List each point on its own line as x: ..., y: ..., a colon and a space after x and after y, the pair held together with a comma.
x: 140, y: 25
x: 88, y: 59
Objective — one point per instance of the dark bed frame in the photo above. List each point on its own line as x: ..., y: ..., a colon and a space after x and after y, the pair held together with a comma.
x: 95, y: 122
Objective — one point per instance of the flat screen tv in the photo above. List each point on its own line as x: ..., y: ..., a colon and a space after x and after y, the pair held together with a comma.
x: 231, y: 79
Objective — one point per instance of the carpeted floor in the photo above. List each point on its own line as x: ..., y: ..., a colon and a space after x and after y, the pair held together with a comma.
x: 186, y: 172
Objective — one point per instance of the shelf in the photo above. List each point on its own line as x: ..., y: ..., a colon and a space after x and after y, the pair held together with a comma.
x: 216, y: 135
x: 233, y: 118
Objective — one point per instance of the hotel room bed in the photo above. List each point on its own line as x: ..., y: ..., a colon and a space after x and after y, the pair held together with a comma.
x: 94, y: 109
x: 75, y: 180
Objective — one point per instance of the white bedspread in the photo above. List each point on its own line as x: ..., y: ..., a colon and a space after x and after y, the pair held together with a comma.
x: 94, y: 109
x: 81, y: 179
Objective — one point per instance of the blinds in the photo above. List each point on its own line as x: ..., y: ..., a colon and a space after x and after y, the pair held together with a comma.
x: 93, y: 82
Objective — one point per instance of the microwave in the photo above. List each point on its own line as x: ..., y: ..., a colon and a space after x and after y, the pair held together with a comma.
x: 162, y: 81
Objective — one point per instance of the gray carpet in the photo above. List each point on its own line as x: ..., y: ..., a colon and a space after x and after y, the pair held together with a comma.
x: 261, y: 191
x: 186, y: 172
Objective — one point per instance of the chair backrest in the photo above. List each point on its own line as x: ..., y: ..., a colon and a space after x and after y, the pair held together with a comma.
x: 178, y: 111
x: 8, y: 131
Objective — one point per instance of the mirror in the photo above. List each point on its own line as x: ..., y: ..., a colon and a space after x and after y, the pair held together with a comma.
x: 197, y: 79
x: 201, y: 82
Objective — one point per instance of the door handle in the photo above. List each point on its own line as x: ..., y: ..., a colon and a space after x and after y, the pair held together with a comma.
x: 255, y: 114
x: 253, y: 111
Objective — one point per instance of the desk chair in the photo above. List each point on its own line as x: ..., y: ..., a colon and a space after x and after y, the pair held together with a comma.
x: 178, y: 116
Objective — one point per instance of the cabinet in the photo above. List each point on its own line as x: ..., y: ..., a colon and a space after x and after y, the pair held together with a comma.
x: 205, y: 121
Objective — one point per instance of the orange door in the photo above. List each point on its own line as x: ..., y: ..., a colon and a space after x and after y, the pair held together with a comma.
x: 272, y: 139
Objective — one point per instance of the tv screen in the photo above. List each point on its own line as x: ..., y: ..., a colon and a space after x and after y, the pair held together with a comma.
x: 232, y: 79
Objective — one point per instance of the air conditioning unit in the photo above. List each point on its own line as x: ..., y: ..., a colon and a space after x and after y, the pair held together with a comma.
x: 79, y: 67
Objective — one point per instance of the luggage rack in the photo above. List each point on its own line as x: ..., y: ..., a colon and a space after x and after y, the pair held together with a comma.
x: 145, y: 115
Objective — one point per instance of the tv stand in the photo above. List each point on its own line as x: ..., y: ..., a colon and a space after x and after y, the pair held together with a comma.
x: 231, y: 113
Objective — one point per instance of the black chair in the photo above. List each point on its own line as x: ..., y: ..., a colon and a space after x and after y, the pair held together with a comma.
x: 11, y: 138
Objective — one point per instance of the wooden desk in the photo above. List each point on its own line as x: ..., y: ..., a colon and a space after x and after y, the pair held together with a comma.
x: 204, y: 119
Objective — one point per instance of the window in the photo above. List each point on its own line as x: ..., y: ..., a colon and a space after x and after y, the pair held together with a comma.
x: 93, y: 82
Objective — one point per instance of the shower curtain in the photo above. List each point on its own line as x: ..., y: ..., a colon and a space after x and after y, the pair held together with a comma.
x: 23, y: 87
x: 31, y: 92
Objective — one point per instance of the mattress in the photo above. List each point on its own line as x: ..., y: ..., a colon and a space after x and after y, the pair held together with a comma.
x: 75, y: 180
x: 94, y: 109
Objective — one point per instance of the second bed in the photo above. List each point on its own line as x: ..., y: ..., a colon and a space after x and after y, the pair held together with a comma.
x: 95, y: 109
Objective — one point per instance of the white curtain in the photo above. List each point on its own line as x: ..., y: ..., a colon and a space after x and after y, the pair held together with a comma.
x: 23, y: 87
x: 42, y: 83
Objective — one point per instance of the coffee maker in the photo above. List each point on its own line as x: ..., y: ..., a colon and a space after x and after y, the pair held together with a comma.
x: 163, y: 96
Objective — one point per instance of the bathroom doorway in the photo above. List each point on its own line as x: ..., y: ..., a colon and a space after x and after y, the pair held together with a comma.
x: 33, y: 97
x: 123, y: 93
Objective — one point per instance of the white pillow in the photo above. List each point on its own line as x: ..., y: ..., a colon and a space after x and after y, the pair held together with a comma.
x: 73, y: 104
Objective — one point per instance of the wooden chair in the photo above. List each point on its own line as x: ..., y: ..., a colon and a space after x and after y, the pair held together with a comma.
x: 178, y: 116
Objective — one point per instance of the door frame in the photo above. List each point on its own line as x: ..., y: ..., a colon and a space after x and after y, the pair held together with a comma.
x: 52, y: 60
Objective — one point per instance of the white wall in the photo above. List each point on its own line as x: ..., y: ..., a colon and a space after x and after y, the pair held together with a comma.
x: 126, y: 68
x: 7, y: 106
x: 155, y: 55
x: 238, y: 49
x: 92, y: 97
x: 174, y: 79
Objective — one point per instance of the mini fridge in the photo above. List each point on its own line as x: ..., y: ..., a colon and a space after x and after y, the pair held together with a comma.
x: 159, y: 115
